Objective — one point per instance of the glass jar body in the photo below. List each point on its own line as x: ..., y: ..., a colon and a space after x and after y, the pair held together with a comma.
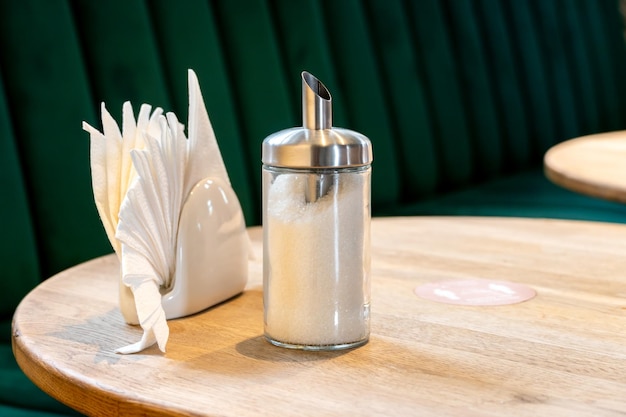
x: 316, y: 257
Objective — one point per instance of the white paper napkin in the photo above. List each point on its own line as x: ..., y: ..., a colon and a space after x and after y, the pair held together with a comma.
x: 140, y: 202
x: 112, y: 171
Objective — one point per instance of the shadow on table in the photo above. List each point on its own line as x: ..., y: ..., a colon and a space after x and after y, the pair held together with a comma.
x: 105, y: 333
x: 260, y: 349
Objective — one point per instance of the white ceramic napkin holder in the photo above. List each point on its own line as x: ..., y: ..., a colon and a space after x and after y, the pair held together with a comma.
x: 212, y: 250
x: 171, y: 215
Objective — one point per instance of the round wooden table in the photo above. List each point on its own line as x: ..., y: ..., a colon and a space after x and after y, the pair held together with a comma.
x: 594, y: 165
x: 562, y: 353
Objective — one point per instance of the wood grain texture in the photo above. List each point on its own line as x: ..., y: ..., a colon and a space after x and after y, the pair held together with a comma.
x: 594, y: 165
x: 562, y: 353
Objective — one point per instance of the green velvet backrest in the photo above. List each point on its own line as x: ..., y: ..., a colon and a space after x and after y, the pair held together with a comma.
x: 451, y: 92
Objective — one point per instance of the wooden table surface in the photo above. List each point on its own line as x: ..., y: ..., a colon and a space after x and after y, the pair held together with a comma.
x: 562, y: 353
x: 594, y: 165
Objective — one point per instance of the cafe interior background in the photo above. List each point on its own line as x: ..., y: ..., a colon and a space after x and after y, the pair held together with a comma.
x: 460, y: 98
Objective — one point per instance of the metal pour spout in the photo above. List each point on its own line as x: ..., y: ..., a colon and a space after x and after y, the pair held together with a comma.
x: 317, y: 114
x: 317, y: 110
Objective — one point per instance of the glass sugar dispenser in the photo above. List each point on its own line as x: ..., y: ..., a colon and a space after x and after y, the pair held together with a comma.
x: 316, y: 230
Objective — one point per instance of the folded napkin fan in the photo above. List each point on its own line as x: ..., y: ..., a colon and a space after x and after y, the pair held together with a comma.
x: 151, y: 184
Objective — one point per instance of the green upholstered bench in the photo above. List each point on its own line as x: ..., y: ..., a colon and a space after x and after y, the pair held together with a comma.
x: 460, y: 98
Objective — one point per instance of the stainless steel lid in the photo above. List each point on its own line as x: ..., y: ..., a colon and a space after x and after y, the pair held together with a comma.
x: 316, y: 144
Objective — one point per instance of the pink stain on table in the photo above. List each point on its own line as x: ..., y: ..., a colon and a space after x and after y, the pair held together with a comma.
x: 475, y: 292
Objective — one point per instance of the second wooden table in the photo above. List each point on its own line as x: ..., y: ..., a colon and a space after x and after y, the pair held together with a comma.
x: 594, y: 165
